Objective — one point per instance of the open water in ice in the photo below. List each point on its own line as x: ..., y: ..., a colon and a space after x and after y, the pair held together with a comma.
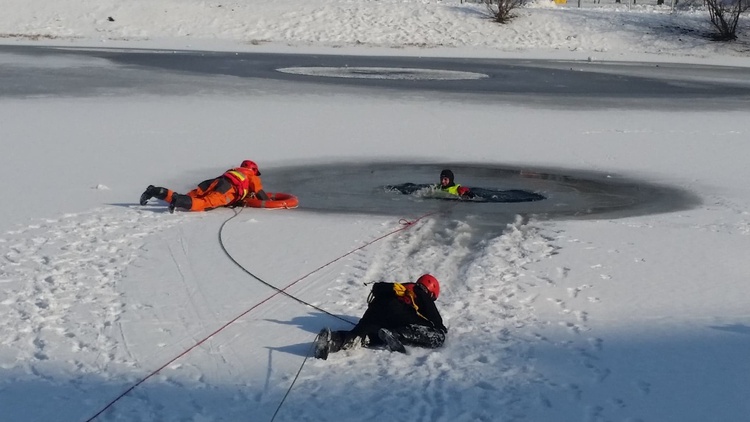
x: 366, y: 188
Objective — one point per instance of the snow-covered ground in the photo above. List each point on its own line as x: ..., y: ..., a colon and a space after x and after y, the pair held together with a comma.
x: 603, y: 30
x: 109, y: 305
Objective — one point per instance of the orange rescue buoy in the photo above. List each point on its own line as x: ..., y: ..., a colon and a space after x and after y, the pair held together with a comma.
x: 276, y: 200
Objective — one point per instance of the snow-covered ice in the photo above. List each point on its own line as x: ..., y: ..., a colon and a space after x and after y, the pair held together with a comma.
x: 640, y: 318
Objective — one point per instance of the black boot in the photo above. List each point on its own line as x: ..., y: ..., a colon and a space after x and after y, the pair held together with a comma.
x: 153, y: 192
x: 323, y: 344
x: 180, y: 201
x: 147, y: 194
x: 393, y: 343
x: 420, y: 335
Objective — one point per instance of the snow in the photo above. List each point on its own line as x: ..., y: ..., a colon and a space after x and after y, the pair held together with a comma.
x: 109, y: 305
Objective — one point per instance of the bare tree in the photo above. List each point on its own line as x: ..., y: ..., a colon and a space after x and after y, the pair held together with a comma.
x: 725, y: 15
x: 501, y: 9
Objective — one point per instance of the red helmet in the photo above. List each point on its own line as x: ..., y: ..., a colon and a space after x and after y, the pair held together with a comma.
x: 431, y: 284
x: 251, y: 165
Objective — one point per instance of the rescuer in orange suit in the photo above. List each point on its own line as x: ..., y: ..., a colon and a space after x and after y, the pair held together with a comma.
x: 231, y: 188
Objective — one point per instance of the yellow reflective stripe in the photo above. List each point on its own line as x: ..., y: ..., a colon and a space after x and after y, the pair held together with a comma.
x: 238, y: 174
x: 243, y: 192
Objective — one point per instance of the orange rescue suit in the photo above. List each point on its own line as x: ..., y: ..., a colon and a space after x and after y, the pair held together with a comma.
x: 230, y: 188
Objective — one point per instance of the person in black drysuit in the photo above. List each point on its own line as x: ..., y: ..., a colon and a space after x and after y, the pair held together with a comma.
x: 397, y: 314
x: 447, y: 184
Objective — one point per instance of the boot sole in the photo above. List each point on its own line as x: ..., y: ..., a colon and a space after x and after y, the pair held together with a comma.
x: 393, y: 344
x: 322, y: 342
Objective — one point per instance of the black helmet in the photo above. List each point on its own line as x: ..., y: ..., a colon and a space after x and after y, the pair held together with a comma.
x: 447, y: 173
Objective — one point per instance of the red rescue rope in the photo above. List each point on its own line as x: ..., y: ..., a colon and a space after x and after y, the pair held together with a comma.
x: 405, y: 224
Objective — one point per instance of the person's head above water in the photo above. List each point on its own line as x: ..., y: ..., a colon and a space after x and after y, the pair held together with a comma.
x: 446, y: 178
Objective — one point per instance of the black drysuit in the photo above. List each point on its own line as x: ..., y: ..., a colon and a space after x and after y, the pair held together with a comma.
x: 411, y: 316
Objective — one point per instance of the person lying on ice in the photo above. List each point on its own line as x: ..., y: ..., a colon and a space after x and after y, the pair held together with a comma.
x: 231, y: 188
x: 448, y: 185
x: 397, y: 314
